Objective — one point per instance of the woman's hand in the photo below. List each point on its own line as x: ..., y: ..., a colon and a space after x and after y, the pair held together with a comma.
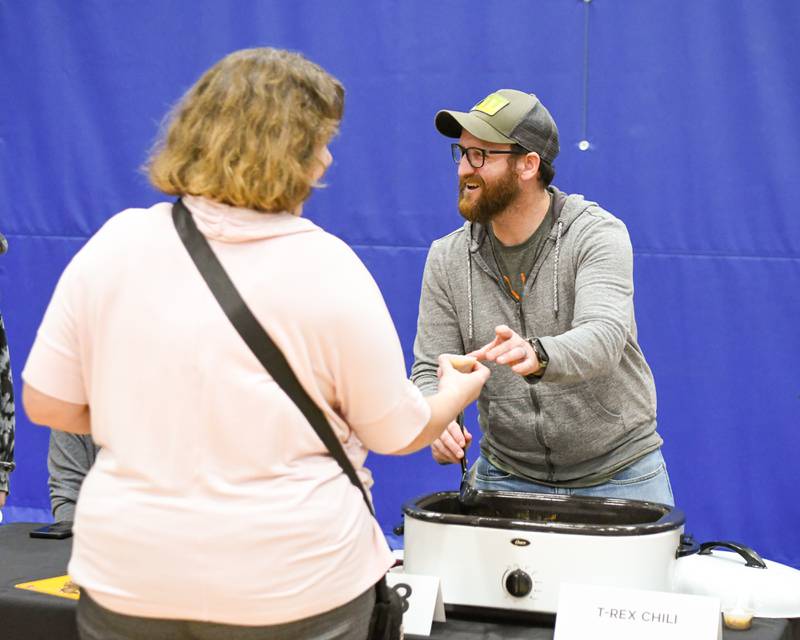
x: 456, y: 390
x: 465, y: 382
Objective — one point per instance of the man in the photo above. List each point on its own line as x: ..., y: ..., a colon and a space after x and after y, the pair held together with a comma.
x: 539, y: 284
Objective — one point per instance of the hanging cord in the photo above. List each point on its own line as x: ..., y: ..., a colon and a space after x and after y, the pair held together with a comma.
x: 469, y: 287
x: 555, y: 266
x: 585, y: 115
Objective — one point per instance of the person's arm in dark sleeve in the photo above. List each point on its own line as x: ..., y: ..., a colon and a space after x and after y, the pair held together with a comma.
x: 6, y: 416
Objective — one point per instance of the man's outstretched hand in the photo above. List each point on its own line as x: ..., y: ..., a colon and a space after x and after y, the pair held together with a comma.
x: 509, y: 348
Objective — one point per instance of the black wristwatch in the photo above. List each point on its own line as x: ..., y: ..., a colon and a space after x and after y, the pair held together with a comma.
x: 541, y: 355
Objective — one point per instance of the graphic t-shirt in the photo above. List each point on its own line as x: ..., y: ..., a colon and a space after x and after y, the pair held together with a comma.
x: 516, y: 261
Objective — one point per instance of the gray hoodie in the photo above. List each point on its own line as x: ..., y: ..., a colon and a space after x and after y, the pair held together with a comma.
x: 594, y: 410
x: 69, y: 458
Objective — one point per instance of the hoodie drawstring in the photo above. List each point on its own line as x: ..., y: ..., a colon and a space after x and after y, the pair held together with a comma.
x: 469, y: 288
x: 555, y: 267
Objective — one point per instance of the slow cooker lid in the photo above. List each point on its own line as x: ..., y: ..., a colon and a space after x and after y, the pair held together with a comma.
x: 551, y: 513
x: 769, y: 592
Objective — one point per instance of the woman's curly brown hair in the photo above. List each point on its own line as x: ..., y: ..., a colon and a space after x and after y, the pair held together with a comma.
x: 246, y: 133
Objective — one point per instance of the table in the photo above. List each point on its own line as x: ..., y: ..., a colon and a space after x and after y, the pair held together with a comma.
x: 462, y: 629
x: 25, y: 615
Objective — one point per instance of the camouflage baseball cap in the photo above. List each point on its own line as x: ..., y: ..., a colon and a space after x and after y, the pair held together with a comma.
x: 506, y: 116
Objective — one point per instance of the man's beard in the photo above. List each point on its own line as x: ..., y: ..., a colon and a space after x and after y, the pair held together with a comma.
x: 494, y: 198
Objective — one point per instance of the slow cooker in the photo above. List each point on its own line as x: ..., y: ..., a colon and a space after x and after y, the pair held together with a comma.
x: 511, y: 551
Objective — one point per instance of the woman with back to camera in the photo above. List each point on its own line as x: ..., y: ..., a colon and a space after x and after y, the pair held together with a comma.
x: 213, y: 510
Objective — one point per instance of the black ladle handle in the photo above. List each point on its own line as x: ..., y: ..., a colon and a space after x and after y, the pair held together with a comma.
x: 460, y: 422
x: 752, y: 559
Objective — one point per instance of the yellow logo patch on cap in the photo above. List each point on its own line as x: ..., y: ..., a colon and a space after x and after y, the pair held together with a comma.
x: 491, y: 104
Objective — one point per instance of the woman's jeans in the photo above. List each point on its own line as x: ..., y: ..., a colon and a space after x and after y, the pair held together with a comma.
x: 646, y: 479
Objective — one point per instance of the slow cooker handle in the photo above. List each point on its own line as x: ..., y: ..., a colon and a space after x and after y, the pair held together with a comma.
x: 687, y: 547
x: 751, y: 557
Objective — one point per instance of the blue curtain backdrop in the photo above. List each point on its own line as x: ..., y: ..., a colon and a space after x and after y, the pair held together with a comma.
x: 690, y: 110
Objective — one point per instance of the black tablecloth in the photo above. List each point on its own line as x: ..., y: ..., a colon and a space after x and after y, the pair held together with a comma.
x: 26, y: 615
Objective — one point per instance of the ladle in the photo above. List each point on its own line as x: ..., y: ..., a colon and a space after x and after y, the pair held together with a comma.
x: 467, y: 494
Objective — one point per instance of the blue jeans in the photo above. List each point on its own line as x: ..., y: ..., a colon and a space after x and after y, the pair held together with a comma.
x: 645, y: 479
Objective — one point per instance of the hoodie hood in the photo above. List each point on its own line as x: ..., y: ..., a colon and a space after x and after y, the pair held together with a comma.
x: 225, y: 223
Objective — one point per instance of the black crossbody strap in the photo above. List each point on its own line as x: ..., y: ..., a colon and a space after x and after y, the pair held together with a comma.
x: 251, y: 331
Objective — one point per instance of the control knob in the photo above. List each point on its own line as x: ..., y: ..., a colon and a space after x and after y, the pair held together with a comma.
x: 518, y: 583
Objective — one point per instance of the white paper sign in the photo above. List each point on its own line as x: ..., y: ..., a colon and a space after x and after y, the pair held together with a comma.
x: 605, y: 613
x: 424, y: 597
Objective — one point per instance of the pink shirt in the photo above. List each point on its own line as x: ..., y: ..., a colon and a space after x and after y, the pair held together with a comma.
x: 212, y: 498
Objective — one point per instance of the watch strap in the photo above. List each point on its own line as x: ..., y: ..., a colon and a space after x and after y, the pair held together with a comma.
x: 541, y: 356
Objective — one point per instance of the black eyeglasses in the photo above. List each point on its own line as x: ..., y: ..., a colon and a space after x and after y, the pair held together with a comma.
x: 477, y: 156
